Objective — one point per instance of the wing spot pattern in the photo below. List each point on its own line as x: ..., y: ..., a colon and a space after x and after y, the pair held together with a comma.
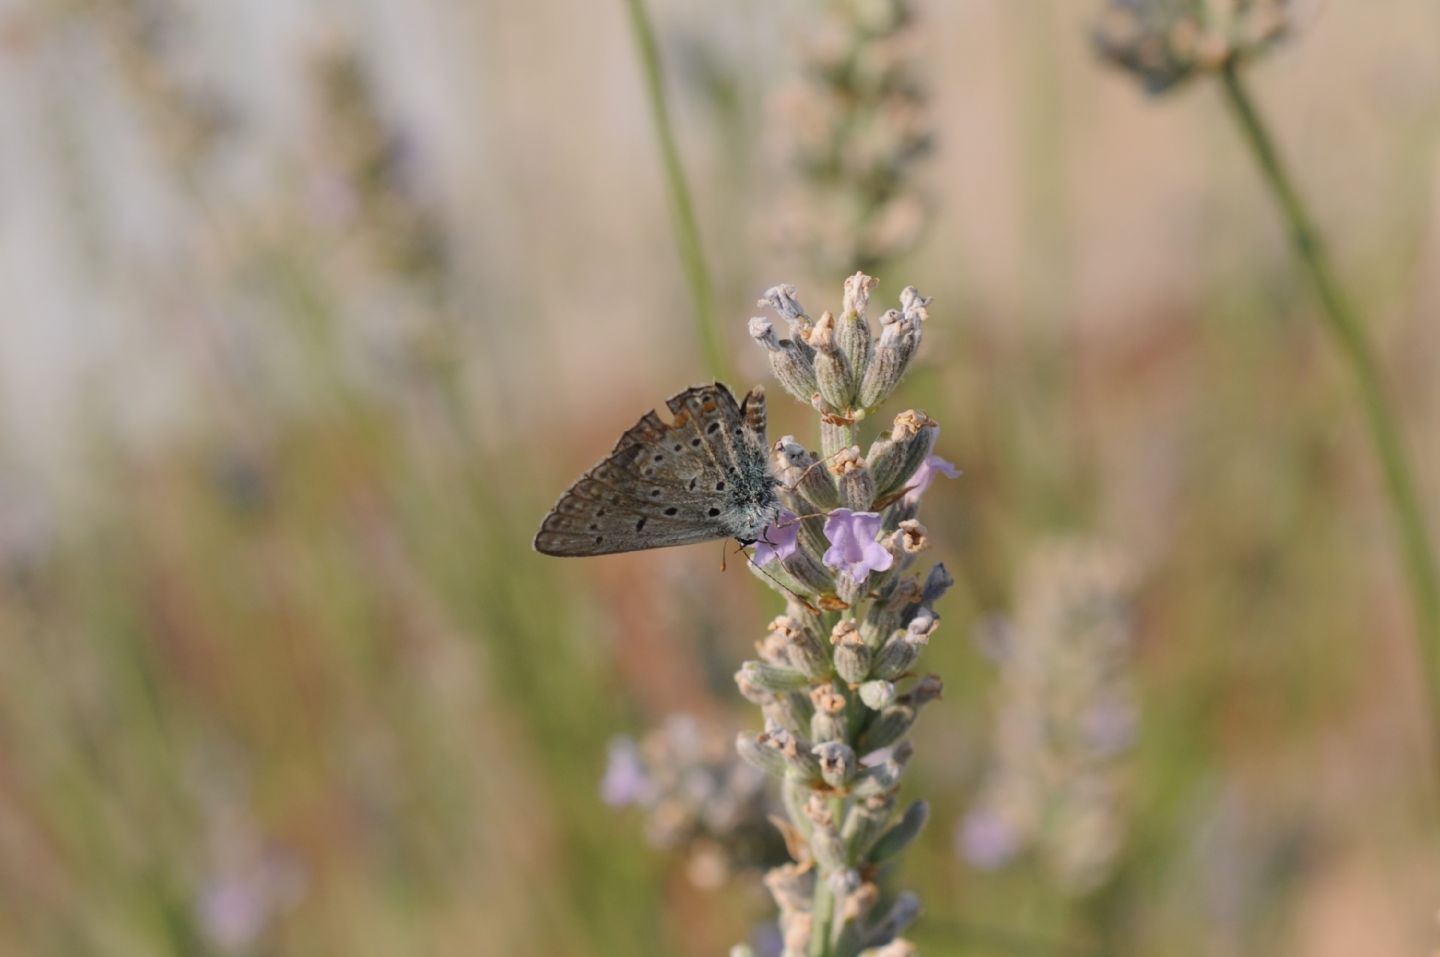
x: 713, y: 512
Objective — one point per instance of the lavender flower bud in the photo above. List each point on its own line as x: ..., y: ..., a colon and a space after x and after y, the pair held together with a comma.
x: 802, y: 647
x: 798, y: 471
x: 752, y: 692
x: 852, y: 656
x: 832, y: 369
x: 852, y: 333
x: 937, y: 583
x: 899, y: 338
x: 877, y: 694
x: 789, y: 711
x: 825, y: 842
x: 791, y: 363
x: 848, y: 588
x: 894, y: 457
x: 890, y: 725
x: 828, y: 721
x: 804, y: 567
x: 800, y: 764
x: 905, y: 830
x: 857, y: 487
x: 885, y: 615
x: 907, y: 541
x: 897, y: 655
x: 782, y: 299
x: 772, y: 678
x: 902, y: 914
x: 759, y: 751
x: 876, y: 780
x: 837, y: 762
x: 924, y: 691
x: 865, y: 823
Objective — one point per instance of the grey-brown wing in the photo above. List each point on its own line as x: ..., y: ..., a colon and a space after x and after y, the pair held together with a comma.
x: 664, y: 483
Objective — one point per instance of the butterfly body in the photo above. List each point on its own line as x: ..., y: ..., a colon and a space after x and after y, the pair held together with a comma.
x: 702, y: 476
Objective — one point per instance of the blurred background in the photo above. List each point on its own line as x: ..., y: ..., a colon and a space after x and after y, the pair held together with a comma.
x: 311, y: 309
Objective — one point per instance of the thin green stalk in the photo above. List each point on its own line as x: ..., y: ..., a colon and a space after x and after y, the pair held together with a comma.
x: 1353, y: 339
x: 823, y: 911
x: 687, y: 229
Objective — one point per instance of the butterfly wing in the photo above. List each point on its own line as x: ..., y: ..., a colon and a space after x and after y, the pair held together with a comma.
x: 658, y: 486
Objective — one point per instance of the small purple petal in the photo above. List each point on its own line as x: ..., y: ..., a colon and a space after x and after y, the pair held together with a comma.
x: 778, y: 540
x: 625, y: 780
x: 925, y: 474
x: 853, y: 547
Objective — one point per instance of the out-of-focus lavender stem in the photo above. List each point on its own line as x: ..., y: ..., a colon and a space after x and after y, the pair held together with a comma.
x: 687, y: 228
x: 1353, y: 339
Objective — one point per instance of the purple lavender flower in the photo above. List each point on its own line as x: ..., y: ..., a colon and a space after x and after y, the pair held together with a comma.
x: 626, y: 781
x: 778, y: 540
x: 853, y: 548
x: 924, y: 475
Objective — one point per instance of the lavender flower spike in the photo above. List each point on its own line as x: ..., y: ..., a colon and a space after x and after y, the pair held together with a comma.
x: 853, y: 547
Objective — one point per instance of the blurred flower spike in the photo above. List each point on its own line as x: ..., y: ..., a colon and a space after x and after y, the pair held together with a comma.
x: 1165, y: 42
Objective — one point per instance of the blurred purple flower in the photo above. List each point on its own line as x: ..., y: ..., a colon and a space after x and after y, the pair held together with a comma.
x: 853, y: 547
x: 236, y: 908
x: 626, y: 781
x: 767, y: 941
x: 1110, y: 724
x: 924, y: 475
x: 986, y: 840
x: 778, y: 540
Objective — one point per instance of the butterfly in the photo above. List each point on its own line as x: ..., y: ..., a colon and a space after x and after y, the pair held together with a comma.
x: 702, y: 476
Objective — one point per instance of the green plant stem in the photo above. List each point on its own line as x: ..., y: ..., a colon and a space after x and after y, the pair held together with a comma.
x: 1353, y: 340
x: 822, y: 910
x: 682, y: 208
